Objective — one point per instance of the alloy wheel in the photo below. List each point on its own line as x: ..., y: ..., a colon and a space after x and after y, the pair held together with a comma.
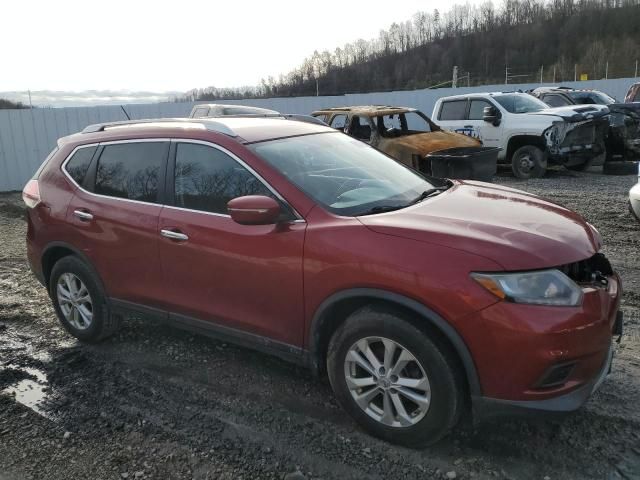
x: 75, y: 301
x: 387, y: 382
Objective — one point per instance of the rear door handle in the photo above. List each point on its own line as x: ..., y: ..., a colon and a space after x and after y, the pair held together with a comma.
x: 173, y: 235
x: 83, y: 215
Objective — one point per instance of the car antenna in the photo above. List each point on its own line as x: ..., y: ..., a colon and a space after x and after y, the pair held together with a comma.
x: 125, y: 112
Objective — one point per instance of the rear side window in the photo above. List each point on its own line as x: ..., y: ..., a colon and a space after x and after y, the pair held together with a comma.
x: 200, y: 112
x: 339, y: 121
x: 131, y: 170
x: 453, y: 110
x: 207, y: 178
x: 78, y: 164
x: 555, y: 101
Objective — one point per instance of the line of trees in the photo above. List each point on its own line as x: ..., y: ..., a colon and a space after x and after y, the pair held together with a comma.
x: 530, y: 38
x: 8, y: 104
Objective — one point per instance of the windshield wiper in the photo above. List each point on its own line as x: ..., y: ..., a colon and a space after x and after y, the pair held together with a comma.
x: 427, y: 194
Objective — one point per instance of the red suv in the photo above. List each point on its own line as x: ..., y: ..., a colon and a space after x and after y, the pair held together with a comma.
x: 420, y: 297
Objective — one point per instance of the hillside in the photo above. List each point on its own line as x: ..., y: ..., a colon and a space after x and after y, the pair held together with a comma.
x: 520, y: 39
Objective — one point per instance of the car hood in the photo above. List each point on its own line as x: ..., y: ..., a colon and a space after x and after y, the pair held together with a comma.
x: 575, y: 113
x: 517, y: 230
x: 423, y: 143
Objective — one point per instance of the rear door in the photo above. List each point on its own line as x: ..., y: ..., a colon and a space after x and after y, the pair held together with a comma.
x: 114, y: 214
x: 242, y: 277
x: 452, y: 115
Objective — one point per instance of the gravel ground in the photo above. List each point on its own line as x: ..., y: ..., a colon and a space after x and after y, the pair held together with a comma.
x: 155, y: 402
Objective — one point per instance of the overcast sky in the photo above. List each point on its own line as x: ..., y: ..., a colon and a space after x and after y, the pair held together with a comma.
x: 157, y: 46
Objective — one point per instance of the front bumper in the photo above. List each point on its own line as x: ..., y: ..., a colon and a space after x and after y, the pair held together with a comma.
x: 485, y: 408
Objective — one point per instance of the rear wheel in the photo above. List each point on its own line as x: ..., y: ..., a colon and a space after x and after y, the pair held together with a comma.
x: 397, y: 382
x: 79, y: 301
x: 529, y: 161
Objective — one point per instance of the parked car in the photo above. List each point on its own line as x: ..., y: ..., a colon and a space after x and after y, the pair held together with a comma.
x: 204, y: 110
x: 528, y: 132
x: 634, y: 199
x: 413, y: 294
x: 214, y: 110
x: 622, y: 141
x: 412, y: 138
x: 633, y: 94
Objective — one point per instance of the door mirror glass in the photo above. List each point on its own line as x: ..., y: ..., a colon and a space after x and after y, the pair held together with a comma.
x: 491, y: 115
x: 254, y: 210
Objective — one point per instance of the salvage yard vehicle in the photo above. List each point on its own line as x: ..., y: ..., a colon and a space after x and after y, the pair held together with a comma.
x: 419, y: 297
x: 410, y: 137
x: 622, y: 141
x: 214, y: 110
x: 528, y: 132
x: 634, y: 199
x: 633, y: 94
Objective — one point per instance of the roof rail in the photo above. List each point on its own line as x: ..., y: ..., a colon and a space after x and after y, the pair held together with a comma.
x: 208, y: 123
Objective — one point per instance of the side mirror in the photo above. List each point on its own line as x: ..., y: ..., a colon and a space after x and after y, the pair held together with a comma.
x: 491, y: 115
x: 254, y: 210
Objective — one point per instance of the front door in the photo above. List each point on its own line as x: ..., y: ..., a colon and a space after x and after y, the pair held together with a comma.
x: 475, y: 126
x: 243, y: 277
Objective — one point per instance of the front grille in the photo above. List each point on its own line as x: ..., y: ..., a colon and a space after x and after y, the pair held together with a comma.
x: 589, y: 270
x: 582, y: 135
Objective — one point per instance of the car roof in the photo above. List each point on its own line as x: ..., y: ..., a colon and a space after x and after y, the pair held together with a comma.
x: 242, y: 129
x: 367, y: 110
x: 480, y: 94
x: 247, y: 108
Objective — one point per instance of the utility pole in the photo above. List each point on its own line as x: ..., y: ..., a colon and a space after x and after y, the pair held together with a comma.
x: 636, y: 75
x: 454, y: 80
x: 575, y: 72
x: 506, y: 75
x: 606, y: 71
x: 541, y: 72
x: 554, y: 74
x: 317, y: 88
x: 31, y: 104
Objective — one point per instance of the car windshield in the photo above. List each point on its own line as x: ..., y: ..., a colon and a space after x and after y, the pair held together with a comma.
x: 591, y: 98
x: 402, y: 124
x: 346, y: 176
x: 520, y: 103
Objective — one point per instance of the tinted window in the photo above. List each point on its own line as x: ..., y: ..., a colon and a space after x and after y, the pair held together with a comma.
x: 131, y: 170
x: 476, y: 110
x: 201, y: 112
x: 455, y: 110
x: 206, y: 179
x: 555, y: 101
x: 78, y: 165
x: 339, y: 121
x: 591, y: 98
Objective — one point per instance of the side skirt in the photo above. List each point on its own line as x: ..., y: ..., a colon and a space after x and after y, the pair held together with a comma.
x: 289, y: 353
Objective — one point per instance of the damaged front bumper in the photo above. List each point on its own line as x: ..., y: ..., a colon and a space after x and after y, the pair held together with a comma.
x: 572, y: 143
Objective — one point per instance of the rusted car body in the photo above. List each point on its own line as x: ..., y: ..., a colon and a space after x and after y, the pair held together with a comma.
x: 405, y: 134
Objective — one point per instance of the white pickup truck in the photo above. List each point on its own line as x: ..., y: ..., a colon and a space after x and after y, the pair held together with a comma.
x: 528, y: 132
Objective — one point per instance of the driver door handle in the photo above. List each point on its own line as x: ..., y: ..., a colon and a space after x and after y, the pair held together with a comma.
x: 173, y: 235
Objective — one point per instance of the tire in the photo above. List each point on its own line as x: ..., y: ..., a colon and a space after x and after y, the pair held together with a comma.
x: 529, y: 161
x: 620, y: 168
x: 70, y: 274
x: 420, y: 425
x: 596, y: 161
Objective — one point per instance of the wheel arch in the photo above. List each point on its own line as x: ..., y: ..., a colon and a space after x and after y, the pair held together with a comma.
x: 517, y: 141
x: 334, y: 310
x: 54, y: 251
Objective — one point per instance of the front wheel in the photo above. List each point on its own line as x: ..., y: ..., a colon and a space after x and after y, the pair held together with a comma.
x: 529, y: 161
x: 397, y: 382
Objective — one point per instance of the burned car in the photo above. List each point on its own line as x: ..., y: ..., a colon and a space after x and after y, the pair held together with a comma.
x: 622, y: 140
x: 410, y: 137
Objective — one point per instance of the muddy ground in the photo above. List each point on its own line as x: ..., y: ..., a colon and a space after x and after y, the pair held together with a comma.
x: 155, y: 402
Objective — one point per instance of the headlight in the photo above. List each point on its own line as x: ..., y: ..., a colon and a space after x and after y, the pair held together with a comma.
x: 544, y: 287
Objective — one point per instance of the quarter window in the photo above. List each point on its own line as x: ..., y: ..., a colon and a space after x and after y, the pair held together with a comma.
x: 78, y: 164
x: 207, y: 178
x: 453, y: 110
x: 131, y: 170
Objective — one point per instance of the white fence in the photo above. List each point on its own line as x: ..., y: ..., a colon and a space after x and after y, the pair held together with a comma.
x: 27, y: 136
